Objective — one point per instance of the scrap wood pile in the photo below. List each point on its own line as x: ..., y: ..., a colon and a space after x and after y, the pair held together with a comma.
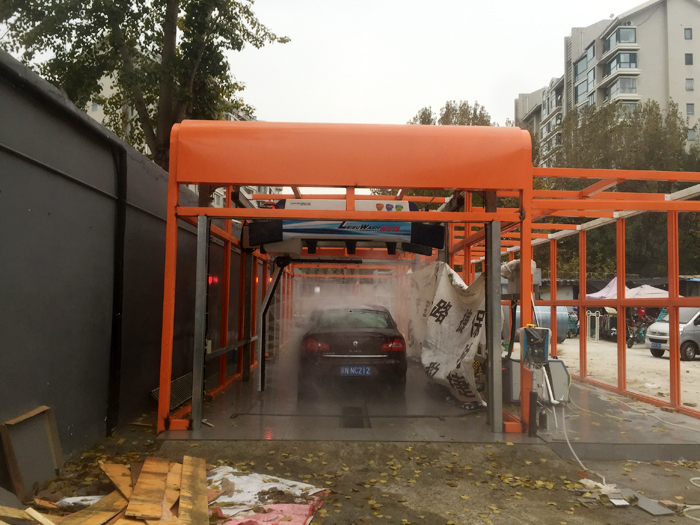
x: 191, y: 492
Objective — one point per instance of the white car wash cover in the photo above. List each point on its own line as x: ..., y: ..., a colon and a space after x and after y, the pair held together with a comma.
x: 446, y: 323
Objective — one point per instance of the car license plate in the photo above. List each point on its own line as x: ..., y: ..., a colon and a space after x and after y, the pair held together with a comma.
x: 656, y: 345
x: 355, y: 371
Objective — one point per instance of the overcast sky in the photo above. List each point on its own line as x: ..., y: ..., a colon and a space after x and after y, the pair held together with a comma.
x: 380, y: 61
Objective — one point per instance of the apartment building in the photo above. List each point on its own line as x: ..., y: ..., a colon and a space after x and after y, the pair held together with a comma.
x: 645, y: 53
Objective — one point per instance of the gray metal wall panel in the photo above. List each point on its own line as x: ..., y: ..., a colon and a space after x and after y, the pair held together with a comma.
x: 41, y: 133
x: 56, y: 267
x: 56, y: 274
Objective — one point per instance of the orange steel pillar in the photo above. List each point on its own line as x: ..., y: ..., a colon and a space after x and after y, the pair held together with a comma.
x: 166, y: 344
x: 621, y: 311
x: 291, y: 297
x: 241, y: 308
x: 254, y: 304
x: 525, y: 301
x: 225, y: 291
x: 674, y: 327
x: 553, y: 295
x: 582, y: 318
x: 265, y: 280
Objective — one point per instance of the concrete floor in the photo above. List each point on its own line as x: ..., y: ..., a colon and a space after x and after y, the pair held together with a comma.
x: 602, y: 425
x: 606, y: 426
x: 337, y: 410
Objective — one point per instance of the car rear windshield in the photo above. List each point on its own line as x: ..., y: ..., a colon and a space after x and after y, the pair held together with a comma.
x: 343, y: 319
x: 685, y: 315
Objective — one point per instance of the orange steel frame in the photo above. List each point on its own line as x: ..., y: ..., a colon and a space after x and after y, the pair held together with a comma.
x: 469, y: 159
x: 591, y: 202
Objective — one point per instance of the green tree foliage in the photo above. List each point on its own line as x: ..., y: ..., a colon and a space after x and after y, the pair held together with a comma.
x: 453, y: 113
x: 646, y: 138
x: 165, y: 59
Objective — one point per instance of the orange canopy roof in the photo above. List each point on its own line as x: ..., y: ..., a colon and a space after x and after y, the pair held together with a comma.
x: 351, y: 155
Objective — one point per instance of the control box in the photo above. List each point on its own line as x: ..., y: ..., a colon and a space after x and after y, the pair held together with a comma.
x: 535, y: 342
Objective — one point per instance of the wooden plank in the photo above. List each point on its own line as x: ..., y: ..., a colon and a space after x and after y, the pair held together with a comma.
x: 16, y: 514
x: 193, y: 492
x: 35, y: 412
x: 120, y: 475
x: 45, y: 504
x: 41, y: 518
x: 126, y: 521
x: 54, y: 442
x: 12, y: 463
x: 117, y: 517
x: 172, y: 485
x: 135, y: 471
x: 100, y: 512
x: 54, y: 439
x: 146, y: 501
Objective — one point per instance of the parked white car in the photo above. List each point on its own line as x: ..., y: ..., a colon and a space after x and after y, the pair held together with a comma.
x: 657, y: 334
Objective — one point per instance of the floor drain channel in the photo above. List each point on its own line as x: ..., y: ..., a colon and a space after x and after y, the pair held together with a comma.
x: 354, y: 417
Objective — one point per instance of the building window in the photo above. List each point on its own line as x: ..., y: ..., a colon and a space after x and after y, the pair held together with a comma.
x: 621, y: 61
x: 689, y: 84
x: 590, y: 54
x: 625, y: 35
x: 688, y: 32
x: 688, y: 59
x: 690, y: 109
x: 94, y: 106
x: 582, y: 65
x: 591, y: 99
x: 580, y: 69
x: 691, y: 134
x: 591, y: 80
x: 623, y: 86
x: 581, y: 92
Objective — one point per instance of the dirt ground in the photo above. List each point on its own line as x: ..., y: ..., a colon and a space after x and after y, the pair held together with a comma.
x: 411, y: 483
x: 431, y: 483
x: 645, y: 373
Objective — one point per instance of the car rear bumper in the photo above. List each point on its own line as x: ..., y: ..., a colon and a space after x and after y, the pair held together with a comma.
x: 319, y: 367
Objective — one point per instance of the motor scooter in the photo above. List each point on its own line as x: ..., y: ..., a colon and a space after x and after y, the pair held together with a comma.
x: 637, y: 330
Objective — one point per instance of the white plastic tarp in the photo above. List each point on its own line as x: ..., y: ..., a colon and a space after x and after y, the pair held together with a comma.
x: 248, y: 488
x: 609, y: 292
x: 645, y: 292
x: 446, y: 324
x: 641, y: 292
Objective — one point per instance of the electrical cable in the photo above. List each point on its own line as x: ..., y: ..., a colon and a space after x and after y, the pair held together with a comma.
x: 691, y: 508
x: 654, y: 416
x: 571, y: 448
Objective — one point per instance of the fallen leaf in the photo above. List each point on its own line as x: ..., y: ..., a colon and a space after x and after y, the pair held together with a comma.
x: 509, y: 443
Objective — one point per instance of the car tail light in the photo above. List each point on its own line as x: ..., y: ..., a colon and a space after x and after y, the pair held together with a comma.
x: 397, y: 345
x: 314, y: 346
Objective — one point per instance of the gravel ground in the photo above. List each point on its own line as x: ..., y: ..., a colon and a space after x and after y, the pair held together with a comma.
x: 425, y: 483
x: 645, y: 373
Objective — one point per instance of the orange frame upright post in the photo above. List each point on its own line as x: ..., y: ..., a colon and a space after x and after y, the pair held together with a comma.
x: 225, y: 293
x: 621, y: 310
x: 582, y: 310
x: 553, y: 294
x: 673, y: 321
x: 167, y: 334
x: 254, y: 316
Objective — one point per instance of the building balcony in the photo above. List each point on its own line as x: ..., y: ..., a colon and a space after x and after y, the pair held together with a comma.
x: 619, y: 72
x: 620, y: 47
